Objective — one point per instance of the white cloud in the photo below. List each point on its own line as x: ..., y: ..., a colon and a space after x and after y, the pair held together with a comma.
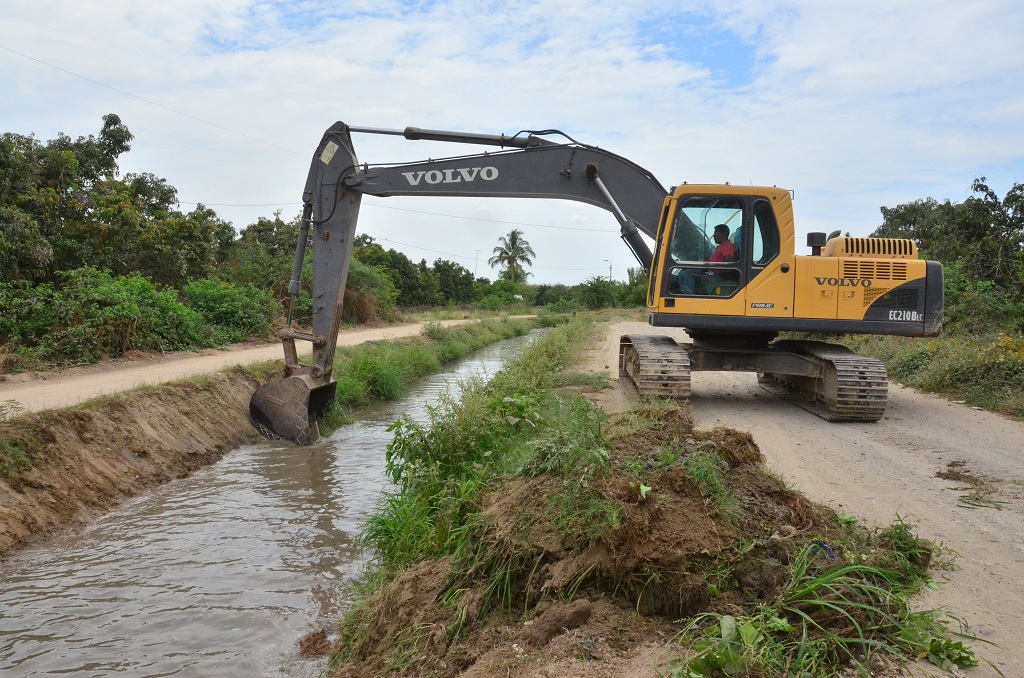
x: 852, y: 105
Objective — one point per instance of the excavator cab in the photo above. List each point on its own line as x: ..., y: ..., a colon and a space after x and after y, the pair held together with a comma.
x: 705, y: 261
x: 719, y: 248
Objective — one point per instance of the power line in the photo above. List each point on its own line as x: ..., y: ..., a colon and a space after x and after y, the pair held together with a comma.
x: 150, y: 102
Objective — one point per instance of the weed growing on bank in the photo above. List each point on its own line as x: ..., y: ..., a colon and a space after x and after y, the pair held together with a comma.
x: 384, y: 370
x: 822, y: 619
x: 517, y: 497
x: 14, y: 455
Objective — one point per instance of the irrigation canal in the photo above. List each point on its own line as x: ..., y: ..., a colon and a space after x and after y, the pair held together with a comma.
x: 217, y: 574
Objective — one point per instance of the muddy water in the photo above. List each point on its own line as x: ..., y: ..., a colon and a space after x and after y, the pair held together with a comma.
x: 218, y: 574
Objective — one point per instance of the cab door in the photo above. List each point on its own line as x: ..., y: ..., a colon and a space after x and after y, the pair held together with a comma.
x: 769, y: 259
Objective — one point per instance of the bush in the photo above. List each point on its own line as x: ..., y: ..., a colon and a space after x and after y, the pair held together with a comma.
x: 234, y: 311
x: 975, y: 307
x: 596, y: 293
x: 369, y: 294
x: 92, y: 315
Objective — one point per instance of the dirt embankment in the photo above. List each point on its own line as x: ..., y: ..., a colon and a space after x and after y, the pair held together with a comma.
x: 91, y: 457
x: 88, y: 459
x: 955, y: 472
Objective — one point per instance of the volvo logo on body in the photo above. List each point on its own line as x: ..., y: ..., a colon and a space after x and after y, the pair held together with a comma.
x: 843, y: 282
x: 457, y: 175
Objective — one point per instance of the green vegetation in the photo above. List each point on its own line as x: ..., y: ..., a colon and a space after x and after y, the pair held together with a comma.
x: 980, y: 356
x: 385, y: 370
x: 822, y: 619
x: 94, y: 264
x: 14, y: 456
x: 706, y: 471
x: 511, y: 254
x: 518, y: 494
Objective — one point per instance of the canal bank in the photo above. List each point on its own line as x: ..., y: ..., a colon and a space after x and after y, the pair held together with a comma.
x: 218, y: 573
x: 65, y: 467
x: 638, y: 521
x: 83, y: 461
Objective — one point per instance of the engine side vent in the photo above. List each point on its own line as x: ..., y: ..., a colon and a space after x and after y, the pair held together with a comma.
x: 889, y: 248
x: 898, y: 299
x: 875, y: 270
x: 872, y: 293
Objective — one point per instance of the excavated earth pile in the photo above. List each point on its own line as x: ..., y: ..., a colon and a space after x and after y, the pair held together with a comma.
x: 540, y: 596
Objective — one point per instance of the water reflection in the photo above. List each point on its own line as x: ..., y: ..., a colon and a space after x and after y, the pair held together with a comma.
x: 216, y: 574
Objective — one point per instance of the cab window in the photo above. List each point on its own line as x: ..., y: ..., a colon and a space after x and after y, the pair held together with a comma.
x: 765, y: 245
x: 693, y: 233
x: 705, y: 247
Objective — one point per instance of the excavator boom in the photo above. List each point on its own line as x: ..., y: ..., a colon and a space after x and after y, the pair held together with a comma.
x: 528, y: 166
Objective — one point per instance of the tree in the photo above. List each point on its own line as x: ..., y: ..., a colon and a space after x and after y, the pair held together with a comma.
x: 983, y: 234
x: 417, y: 284
x: 635, y: 291
x: 263, y: 255
x: 511, y: 254
x: 183, y: 247
x: 62, y: 206
x: 24, y: 252
x: 97, y: 157
x: 455, y: 281
x: 596, y: 292
x: 40, y: 193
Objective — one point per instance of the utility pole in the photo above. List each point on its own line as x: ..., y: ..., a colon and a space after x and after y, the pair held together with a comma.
x: 609, y: 270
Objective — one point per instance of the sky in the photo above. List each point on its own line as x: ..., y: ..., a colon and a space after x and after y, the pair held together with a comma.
x: 851, y: 105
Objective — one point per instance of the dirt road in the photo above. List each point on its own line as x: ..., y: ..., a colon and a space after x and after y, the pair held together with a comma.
x: 46, y: 390
x: 878, y: 471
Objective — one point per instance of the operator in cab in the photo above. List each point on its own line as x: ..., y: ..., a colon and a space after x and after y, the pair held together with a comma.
x: 726, y: 250
x: 694, y: 281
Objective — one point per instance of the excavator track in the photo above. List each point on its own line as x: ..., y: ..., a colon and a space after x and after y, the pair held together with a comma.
x: 851, y: 387
x: 656, y: 364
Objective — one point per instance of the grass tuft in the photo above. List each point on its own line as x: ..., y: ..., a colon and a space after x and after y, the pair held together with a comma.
x: 829, y: 614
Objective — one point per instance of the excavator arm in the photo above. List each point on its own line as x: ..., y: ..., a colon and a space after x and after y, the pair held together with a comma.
x: 528, y: 165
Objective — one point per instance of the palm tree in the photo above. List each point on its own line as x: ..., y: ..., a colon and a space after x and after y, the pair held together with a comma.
x: 511, y: 254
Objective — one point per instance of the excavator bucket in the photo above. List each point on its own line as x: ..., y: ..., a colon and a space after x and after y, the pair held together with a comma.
x: 288, y: 408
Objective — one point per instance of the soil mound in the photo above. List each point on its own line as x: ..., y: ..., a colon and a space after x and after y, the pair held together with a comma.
x: 681, y: 523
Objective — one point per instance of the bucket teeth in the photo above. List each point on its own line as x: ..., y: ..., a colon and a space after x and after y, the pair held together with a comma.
x: 287, y: 408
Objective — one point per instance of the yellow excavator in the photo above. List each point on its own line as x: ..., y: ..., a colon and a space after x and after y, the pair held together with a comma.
x: 724, y: 268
